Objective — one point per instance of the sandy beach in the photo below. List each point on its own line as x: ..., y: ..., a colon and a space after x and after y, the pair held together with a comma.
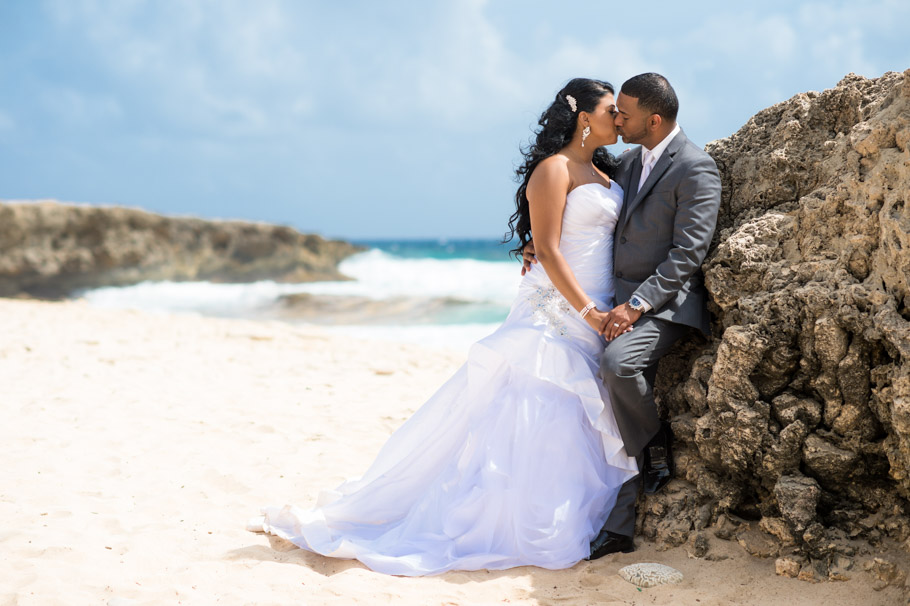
x: 135, y: 446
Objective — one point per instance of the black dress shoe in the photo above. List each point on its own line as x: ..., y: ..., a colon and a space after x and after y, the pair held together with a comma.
x: 609, y: 542
x: 658, y: 461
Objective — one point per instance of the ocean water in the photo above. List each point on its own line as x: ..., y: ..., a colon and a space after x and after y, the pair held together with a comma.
x: 439, y: 293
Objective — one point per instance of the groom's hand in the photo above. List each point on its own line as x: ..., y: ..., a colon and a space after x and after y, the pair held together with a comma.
x: 527, y: 257
x: 618, y: 320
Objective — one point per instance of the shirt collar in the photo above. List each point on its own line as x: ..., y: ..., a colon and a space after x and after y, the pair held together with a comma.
x: 658, y: 150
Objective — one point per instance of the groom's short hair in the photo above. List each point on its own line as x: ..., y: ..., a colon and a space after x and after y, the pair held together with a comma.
x: 654, y: 94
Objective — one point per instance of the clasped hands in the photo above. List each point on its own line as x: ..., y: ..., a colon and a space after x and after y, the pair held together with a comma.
x: 609, y: 324
x: 617, y: 321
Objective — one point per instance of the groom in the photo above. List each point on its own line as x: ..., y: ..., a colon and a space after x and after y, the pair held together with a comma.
x: 672, y: 194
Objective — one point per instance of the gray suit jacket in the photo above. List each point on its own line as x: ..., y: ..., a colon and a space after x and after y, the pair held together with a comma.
x: 664, y: 231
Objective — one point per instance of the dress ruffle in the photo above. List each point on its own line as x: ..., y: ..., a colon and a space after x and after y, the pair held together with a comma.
x: 516, y: 460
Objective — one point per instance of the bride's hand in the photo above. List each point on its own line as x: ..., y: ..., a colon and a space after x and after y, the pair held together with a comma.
x: 597, y: 318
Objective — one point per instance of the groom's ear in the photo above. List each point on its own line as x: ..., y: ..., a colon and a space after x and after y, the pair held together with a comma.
x: 654, y: 122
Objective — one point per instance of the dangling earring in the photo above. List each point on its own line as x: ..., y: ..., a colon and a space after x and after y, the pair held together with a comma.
x: 584, y: 135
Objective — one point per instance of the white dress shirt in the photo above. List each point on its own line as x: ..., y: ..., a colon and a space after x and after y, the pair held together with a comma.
x: 649, y: 157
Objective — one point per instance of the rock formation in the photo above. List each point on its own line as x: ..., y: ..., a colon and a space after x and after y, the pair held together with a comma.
x: 49, y: 249
x: 792, y: 423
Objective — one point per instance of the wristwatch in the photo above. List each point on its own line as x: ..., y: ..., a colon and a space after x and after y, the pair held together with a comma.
x: 637, y: 304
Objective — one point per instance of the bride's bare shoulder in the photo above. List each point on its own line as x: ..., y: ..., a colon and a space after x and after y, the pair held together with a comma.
x: 552, y: 171
x: 556, y: 162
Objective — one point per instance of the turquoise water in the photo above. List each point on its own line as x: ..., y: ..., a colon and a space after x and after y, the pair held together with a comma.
x: 480, y: 250
x: 444, y: 292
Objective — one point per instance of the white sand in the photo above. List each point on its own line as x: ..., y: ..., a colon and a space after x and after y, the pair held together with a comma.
x: 134, y: 447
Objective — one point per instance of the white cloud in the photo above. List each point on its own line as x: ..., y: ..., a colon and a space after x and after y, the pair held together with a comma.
x: 838, y: 34
x: 834, y: 50
x: 221, y: 68
x: 6, y: 122
x: 224, y: 68
x: 820, y: 41
x: 768, y: 38
x: 80, y: 109
x: 270, y: 67
x: 303, y: 105
x: 880, y: 16
x: 464, y: 69
x: 464, y: 74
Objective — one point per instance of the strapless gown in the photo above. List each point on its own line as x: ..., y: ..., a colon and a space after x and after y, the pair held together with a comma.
x: 516, y: 460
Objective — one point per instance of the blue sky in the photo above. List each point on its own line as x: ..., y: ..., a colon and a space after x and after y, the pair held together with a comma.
x: 368, y: 119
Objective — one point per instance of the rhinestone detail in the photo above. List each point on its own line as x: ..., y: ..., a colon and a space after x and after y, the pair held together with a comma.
x: 551, y: 308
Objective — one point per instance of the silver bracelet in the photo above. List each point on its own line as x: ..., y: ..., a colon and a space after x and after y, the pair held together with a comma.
x: 587, y: 308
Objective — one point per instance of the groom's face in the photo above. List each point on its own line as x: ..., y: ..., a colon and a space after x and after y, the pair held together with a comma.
x: 631, y: 121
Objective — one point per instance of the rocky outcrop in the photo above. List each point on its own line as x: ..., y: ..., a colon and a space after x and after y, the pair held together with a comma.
x: 793, y: 422
x: 48, y: 249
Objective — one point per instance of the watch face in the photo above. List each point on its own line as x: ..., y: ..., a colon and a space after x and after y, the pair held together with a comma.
x: 635, y: 302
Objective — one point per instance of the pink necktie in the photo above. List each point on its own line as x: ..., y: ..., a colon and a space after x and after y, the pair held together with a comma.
x: 646, y: 167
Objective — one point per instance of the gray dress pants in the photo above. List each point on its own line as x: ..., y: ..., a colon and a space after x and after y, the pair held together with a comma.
x: 628, y: 367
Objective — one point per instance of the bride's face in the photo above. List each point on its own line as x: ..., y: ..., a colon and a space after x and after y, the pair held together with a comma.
x: 601, y: 120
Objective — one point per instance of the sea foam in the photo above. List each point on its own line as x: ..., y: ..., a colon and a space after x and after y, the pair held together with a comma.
x: 444, y: 302
x: 380, y: 275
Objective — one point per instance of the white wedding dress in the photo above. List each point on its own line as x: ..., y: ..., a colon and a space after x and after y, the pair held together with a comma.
x: 515, y: 461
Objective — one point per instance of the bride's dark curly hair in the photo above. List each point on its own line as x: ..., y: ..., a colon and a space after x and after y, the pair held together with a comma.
x: 557, y: 127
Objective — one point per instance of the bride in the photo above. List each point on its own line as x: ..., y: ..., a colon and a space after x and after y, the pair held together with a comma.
x: 516, y: 460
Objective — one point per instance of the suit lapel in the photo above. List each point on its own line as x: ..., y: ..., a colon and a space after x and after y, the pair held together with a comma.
x: 633, y: 175
x: 666, y: 159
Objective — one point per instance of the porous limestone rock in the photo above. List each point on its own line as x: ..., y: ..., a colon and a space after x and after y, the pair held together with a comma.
x: 48, y: 249
x: 797, y: 498
x: 797, y: 411
x: 787, y: 566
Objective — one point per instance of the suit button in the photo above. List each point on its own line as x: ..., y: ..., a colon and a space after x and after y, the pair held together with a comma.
x: 619, y: 274
x: 622, y: 240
